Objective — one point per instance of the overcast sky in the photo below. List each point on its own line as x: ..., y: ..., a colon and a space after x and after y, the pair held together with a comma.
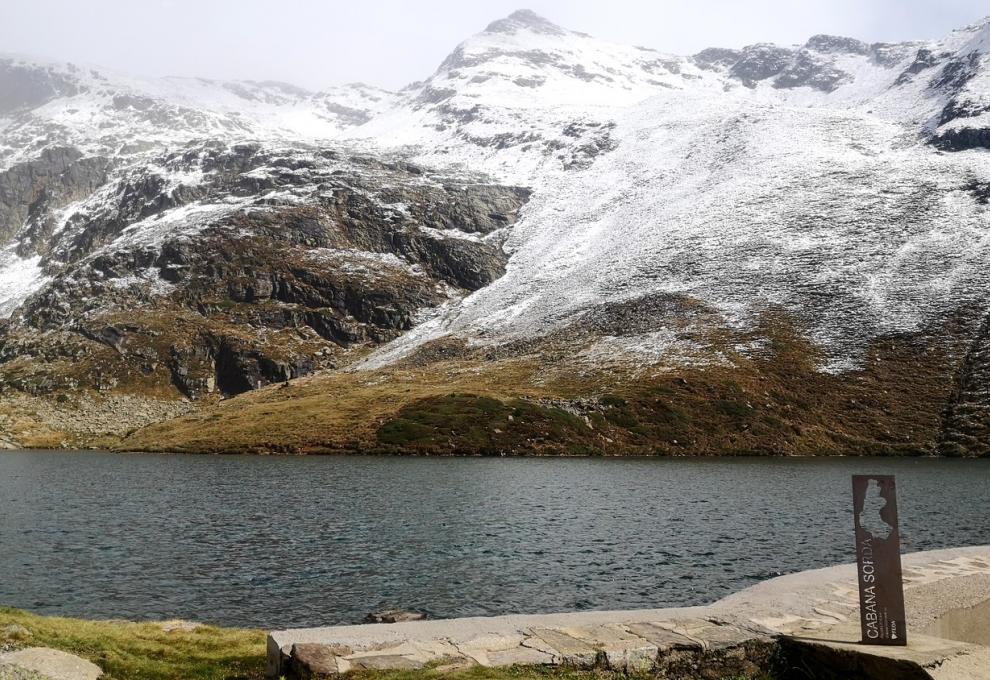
x: 316, y: 43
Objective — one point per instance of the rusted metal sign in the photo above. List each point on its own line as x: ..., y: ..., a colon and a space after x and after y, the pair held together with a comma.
x: 878, y: 559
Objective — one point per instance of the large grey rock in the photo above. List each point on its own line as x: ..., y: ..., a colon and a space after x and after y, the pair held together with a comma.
x: 394, y: 616
x: 311, y: 661
x: 18, y: 673
x: 50, y: 664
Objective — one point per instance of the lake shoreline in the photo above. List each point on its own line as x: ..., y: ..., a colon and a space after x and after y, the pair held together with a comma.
x: 372, y: 453
x: 807, y: 619
x: 757, y: 632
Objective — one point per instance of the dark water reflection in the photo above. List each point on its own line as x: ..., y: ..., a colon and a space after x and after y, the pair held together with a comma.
x: 278, y: 542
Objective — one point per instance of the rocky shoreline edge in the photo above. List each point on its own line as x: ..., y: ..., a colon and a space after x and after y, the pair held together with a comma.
x: 775, y: 630
x: 771, y: 630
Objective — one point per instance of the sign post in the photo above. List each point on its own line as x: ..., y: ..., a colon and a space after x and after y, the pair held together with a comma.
x: 878, y: 560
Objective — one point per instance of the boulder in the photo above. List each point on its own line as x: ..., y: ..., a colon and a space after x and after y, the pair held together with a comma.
x: 314, y: 661
x: 180, y: 626
x: 47, y: 664
x: 394, y: 616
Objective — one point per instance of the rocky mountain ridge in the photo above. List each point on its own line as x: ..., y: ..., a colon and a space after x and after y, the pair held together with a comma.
x: 544, y: 198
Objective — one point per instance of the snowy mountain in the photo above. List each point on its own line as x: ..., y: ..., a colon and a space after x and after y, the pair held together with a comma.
x: 806, y: 178
x: 615, y: 216
x: 101, y: 112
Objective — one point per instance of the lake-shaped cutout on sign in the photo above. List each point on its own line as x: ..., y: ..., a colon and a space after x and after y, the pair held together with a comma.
x: 878, y: 560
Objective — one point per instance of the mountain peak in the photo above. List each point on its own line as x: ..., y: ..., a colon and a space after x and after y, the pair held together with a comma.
x: 527, y: 20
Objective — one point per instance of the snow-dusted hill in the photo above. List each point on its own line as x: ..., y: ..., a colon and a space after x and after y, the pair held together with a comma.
x: 677, y: 202
x: 808, y: 178
x: 102, y: 112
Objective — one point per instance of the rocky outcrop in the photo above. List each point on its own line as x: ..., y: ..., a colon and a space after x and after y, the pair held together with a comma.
x: 962, y: 123
x: 275, y: 260
x: 760, y: 62
x: 713, y: 57
x: 812, y: 66
x: 394, y: 616
x: 956, y: 73
x: 808, y: 69
x: 30, y: 192
x: 962, y: 138
x: 837, y: 44
x: 924, y: 59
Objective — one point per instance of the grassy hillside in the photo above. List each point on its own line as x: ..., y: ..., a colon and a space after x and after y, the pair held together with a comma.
x: 551, y: 402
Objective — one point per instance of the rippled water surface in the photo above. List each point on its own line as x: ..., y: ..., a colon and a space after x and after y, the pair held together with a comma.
x: 275, y: 542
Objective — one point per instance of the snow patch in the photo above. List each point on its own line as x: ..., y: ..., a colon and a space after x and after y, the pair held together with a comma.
x: 19, y: 278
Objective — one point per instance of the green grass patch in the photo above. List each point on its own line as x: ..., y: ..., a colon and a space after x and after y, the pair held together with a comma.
x: 733, y: 409
x: 144, y: 651
x: 473, y: 424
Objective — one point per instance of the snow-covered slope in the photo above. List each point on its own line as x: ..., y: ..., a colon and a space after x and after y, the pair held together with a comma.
x: 102, y: 112
x: 839, y: 184
x: 70, y: 136
x: 526, y: 96
x: 806, y: 179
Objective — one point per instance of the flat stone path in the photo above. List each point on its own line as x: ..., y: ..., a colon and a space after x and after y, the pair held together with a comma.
x: 815, y: 612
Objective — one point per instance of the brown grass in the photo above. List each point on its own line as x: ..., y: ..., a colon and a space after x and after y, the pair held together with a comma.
x: 775, y: 403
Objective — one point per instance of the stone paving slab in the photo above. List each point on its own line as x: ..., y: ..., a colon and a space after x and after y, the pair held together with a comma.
x: 815, y: 612
x: 838, y: 649
x: 622, y: 648
x: 663, y: 638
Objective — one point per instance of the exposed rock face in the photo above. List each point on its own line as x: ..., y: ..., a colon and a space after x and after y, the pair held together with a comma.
x: 326, y: 251
x: 963, y: 138
x: 717, y: 56
x: 923, y: 60
x: 760, y: 62
x: 812, y: 66
x: 806, y: 70
x: 30, y: 192
x: 835, y: 44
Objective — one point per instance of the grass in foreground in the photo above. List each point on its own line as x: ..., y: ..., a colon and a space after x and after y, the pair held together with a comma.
x: 144, y: 651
